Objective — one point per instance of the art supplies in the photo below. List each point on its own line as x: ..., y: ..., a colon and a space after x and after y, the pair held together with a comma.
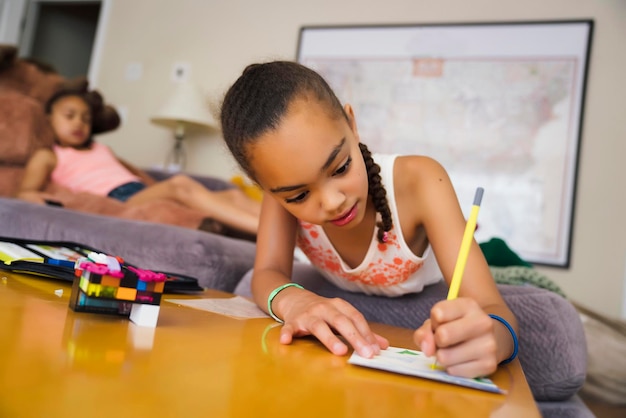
x: 10, y: 252
x: 56, y: 260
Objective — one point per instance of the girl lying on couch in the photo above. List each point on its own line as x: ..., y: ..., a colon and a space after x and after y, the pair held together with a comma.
x: 80, y: 164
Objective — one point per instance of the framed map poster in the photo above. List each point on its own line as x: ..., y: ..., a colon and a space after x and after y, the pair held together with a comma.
x: 500, y: 105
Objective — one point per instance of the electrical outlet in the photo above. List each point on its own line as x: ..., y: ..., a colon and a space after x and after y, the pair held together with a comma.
x: 181, y: 72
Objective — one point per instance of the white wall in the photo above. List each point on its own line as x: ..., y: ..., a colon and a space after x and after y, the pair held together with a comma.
x: 219, y: 38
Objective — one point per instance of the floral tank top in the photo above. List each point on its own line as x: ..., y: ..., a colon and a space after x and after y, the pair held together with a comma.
x: 389, y: 268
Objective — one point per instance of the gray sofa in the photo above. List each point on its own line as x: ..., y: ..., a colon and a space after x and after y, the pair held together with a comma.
x: 552, y: 341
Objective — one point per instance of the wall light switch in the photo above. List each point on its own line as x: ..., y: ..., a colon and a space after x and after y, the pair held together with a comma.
x: 181, y: 71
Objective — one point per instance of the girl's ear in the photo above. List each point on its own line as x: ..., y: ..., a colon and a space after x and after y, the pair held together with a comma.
x: 351, y: 119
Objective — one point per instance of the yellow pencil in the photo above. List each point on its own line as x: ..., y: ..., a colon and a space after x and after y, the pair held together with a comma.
x: 461, y: 259
x: 466, y: 244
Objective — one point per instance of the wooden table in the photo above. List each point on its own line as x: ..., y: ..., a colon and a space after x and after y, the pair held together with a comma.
x: 58, y: 363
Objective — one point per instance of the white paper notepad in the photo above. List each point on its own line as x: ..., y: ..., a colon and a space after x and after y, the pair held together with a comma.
x: 236, y: 307
x: 416, y: 363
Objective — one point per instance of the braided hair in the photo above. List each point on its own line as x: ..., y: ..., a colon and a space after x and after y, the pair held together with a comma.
x: 257, y: 102
x: 376, y: 189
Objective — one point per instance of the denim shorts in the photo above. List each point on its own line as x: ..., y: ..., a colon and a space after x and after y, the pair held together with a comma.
x: 126, y: 190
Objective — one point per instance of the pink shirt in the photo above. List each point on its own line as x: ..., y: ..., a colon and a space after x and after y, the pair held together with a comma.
x: 389, y: 269
x: 95, y: 170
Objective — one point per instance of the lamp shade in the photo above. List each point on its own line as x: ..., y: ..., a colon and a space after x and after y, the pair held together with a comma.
x: 186, y: 105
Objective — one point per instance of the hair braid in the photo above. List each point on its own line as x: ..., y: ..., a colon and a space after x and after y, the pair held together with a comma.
x: 378, y: 193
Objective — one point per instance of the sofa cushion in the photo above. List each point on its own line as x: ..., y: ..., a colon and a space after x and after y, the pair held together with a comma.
x: 217, y: 261
x: 28, y: 78
x: 571, y: 408
x: 606, y: 374
x: 10, y: 178
x: 23, y: 128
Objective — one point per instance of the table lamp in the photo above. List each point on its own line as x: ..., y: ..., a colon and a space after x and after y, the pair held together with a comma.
x: 185, y: 108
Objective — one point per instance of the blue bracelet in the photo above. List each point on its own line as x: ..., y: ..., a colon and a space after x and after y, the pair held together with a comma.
x: 515, y: 342
x: 272, y: 295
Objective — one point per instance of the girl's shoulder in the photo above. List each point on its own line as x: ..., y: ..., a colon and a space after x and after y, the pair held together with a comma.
x: 420, y: 177
x: 43, y: 156
x: 423, y: 188
x: 44, y: 153
x: 419, y: 169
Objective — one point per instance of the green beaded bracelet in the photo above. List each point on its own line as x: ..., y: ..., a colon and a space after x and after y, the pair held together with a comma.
x: 272, y: 295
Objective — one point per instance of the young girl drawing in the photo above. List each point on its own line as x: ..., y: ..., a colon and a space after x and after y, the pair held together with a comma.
x: 83, y: 165
x: 377, y: 224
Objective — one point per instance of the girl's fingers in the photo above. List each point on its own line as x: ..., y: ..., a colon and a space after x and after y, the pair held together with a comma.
x: 465, y: 328
x: 472, y: 369
x: 425, y: 339
x: 286, y: 334
x: 451, y: 310
x: 464, y: 338
x: 382, y: 342
x: 473, y: 358
x: 334, y: 316
x: 356, y: 319
x: 322, y: 332
x: 359, y: 341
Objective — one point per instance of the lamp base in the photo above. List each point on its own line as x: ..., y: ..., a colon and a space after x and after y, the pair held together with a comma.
x: 176, y: 159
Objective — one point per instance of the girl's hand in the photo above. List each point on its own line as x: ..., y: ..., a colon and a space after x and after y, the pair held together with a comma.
x: 461, y: 336
x: 310, y: 314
